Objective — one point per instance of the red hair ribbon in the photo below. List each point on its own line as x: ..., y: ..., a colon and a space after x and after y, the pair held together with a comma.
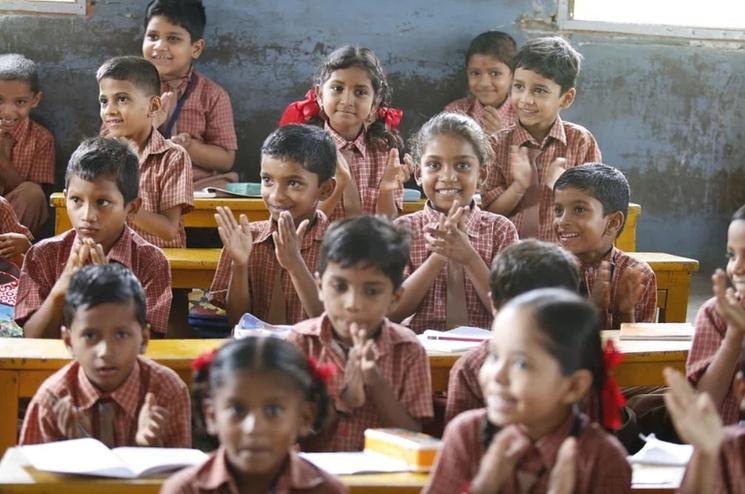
x: 612, y: 398
x: 324, y: 372
x: 204, y: 360
x: 300, y: 112
x: 391, y: 116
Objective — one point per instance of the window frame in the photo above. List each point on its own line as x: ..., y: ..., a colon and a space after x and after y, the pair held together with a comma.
x: 75, y: 7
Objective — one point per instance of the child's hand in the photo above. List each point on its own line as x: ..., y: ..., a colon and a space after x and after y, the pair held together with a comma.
x: 448, y: 239
x: 151, y: 423
x: 564, y: 473
x: 6, y: 148
x: 183, y: 139
x: 491, y: 123
x: 555, y: 169
x: 343, y: 174
x: 86, y: 251
x: 728, y: 305
x: 410, y: 166
x: 629, y: 291
x: 353, y: 390
x: 600, y: 294
x: 168, y: 102
x: 72, y: 422
x: 395, y: 173
x: 520, y: 167
x: 365, y: 354
x: 695, y: 417
x: 236, y: 238
x: 287, y: 241
x: 13, y: 244
x: 498, y: 463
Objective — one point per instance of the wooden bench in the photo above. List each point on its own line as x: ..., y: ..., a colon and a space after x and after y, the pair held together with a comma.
x: 673, y: 275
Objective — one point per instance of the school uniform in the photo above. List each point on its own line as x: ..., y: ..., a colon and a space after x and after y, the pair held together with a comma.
x: 708, y: 337
x: 165, y: 183
x: 214, y: 477
x: 489, y: 234
x: 402, y: 361
x: 33, y: 159
x: 472, y: 107
x: 205, y: 114
x: 601, y: 460
x: 46, y: 260
x: 731, y: 475
x: 534, y: 215
x: 264, y: 272
x: 464, y: 389
x: 9, y: 221
x: 367, y: 165
x: 40, y: 423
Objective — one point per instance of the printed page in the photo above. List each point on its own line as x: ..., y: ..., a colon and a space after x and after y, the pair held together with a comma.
x: 148, y: 461
x: 348, y: 463
x: 78, y: 456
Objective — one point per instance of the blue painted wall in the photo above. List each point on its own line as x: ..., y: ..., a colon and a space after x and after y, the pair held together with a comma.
x: 666, y: 112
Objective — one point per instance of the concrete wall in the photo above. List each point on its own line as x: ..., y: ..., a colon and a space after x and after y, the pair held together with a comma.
x: 666, y: 112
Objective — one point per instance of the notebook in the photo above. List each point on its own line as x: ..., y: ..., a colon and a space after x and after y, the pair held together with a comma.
x: 250, y: 325
x: 354, y: 462
x: 454, y: 340
x: 656, y: 452
x: 656, y: 331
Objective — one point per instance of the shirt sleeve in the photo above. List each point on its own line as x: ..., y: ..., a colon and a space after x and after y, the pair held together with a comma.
x: 156, y: 282
x: 646, y: 309
x: 176, y: 183
x: 220, y: 129
x: 612, y: 472
x: 219, y: 289
x: 496, y: 180
x: 34, y: 285
x: 39, y: 424
x: 174, y: 396
x: 462, y: 395
x: 417, y: 384
x: 451, y: 473
x: 708, y: 336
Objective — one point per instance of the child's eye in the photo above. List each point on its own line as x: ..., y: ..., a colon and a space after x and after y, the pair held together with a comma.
x: 103, y: 202
x: 372, y: 292
x: 520, y: 364
x: 517, y: 86
x: 337, y: 88
x: 495, y: 73
x: 174, y: 38
x: 540, y: 90
x: 295, y: 184
x: 579, y: 210
x: 21, y: 103
x: 434, y: 165
x: 463, y: 166
x: 474, y: 73
x: 236, y: 410
x: 339, y: 287
x: 102, y: 101
x: 74, y: 199
x: 89, y: 335
x: 361, y: 92
x: 273, y: 410
x: 266, y: 180
x: 122, y: 335
x: 558, y: 211
x: 122, y: 99
x: 730, y: 254
x: 152, y: 37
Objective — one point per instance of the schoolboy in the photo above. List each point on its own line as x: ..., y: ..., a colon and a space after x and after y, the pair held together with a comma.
x: 101, y: 188
x: 26, y: 148
x: 382, y: 377
x: 527, y: 265
x: 196, y: 112
x: 265, y: 267
x: 591, y: 202
x: 109, y: 391
x: 489, y: 75
x: 15, y: 239
x: 129, y: 95
x: 531, y: 155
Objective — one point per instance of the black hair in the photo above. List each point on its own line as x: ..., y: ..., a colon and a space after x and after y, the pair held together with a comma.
x: 188, y: 14
x: 739, y: 214
x: 531, y: 264
x: 553, y: 58
x: 140, y: 72
x: 98, y: 284
x: 453, y: 124
x: 378, y: 135
x: 258, y: 353
x: 605, y: 183
x: 370, y: 240
x: 497, y: 44
x: 16, y: 67
x: 309, y: 146
x: 110, y: 158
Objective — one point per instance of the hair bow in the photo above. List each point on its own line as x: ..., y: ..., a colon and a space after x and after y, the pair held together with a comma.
x: 300, y: 112
x: 204, y: 360
x: 391, y: 116
x: 612, y: 398
x: 324, y: 372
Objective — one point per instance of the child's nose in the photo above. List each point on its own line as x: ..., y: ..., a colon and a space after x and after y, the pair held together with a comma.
x: 251, y: 423
x: 352, y: 300
x: 102, y: 349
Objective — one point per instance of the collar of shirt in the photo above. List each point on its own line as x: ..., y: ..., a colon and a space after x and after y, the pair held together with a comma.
x: 121, y: 251
x: 126, y: 395
x: 385, y: 340
x: 314, y: 233
x: 156, y: 144
x: 21, y: 130
x: 471, y: 218
x: 341, y: 143
x: 183, y: 82
x: 542, y: 453
x: 521, y: 136
x: 610, y: 256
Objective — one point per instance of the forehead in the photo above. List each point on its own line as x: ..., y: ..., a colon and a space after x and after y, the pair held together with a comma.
x: 161, y: 23
x: 485, y: 60
x: 736, y: 233
x: 284, y: 167
x: 352, y: 76
x: 257, y: 385
x: 15, y: 89
x: 449, y: 145
x: 568, y: 195
x: 357, y: 274
x: 528, y: 76
x: 108, y: 85
x: 108, y: 316
x: 101, y: 185
x: 516, y: 329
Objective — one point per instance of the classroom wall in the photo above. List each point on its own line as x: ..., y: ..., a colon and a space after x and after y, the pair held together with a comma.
x: 666, y: 112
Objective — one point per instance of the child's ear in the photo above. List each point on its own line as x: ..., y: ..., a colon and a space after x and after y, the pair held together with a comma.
x: 208, y: 410
x: 318, y: 90
x: 37, y: 99
x: 145, y: 338
x: 197, y: 48
x: 317, y: 277
x: 418, y: 174
x: 67, y: 339
x: 739, y: 388
x: 494, y: 308
x: 155, y: 104
x: 133, y: 206
x: 615, y: 222
x: 567, y: 98
x: 397, y: 294
x: 483, y: 173
x: 579, y: 384
x: 327, y: 188
x: 308, y: 412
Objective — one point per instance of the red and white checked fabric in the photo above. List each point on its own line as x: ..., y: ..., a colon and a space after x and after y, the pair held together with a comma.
x: 165, y: 183
x: 207, y: 115
x: 730, y: 477
x: 601, y: 460
x: 33, y: 152
x: 367, y: 166
x: 489, y: 234
x: 40, y: 423
x: 9, y: 221
x: 402, y: 361
x: 708, y: 337
x: 565, y: 140
x: 464, y: 389
x: 473, y: 108
x: 262, y: 270
x: 621, y: 263
x: 46, y: 260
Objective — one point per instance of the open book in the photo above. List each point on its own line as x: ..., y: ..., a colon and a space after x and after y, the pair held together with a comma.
x: 91, y: 457
x: 250, y: 325
x: 656, y: 331
x: 657, y: 452
x: 454, y: 340
x: 244, y: 189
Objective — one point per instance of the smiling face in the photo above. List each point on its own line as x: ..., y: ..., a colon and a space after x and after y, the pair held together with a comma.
x: 16, y: 102
x: 170, y: 48
x: 287, y: 186
x: 736, y: 255
x: 537, y: 101
x: 258, y: 416
x: 348, y: 99
x: 449, y: 171
x: 106, y: 340
x: 489, y: 79
x: 126, y: 110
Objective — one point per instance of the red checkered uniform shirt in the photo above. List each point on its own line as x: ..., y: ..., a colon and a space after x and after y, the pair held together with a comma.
x: 489, y: 233
x: 9, y: 221
x: 473, y: 108
x: 464, y: 389
x: 33, y: 152
x: 40, y: 423
x: 402, y: 362
x: 565, y: 140
x: 262, y: 270
x: 730, y: 477
x: 46, y: 260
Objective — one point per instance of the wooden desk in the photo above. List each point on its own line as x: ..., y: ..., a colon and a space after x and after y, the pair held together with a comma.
x: 673, y: 283
x: 192, y: 268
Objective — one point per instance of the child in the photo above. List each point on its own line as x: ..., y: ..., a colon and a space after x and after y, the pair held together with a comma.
x: 544, y: 357
x: 383, y: 377
x: 15, y: 239
x: 258, y: 395
x: 196, y: 112
x: 109, y: 391
x: 531, y: 155
x: 715, y: 351
x: 350, y: 101
x: 521, y: 267
x: 129, y: 94
x: 101, y: 188
x: 489, y: 71
x: 265, y: 267
x: 590, y: 207
x: 453, y: 241
x: 26, y: 148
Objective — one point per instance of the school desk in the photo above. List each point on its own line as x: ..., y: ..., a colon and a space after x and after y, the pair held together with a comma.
x: 202, y: 216
x: 673, y: 275
x: 18, y: 477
